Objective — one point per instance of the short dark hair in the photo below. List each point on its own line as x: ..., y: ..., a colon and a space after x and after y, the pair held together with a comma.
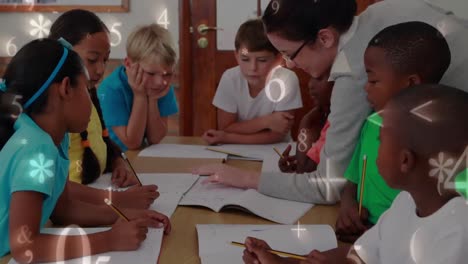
x: 438, y: 125
x: 252, y: 35
x: 415, y: 47
x: 301, y: 20
x: 75, y: 25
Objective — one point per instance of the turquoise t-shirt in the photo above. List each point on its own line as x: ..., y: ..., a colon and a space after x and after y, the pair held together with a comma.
x: 377, y: 196
x: 31, y: 162
x: 116, y: 99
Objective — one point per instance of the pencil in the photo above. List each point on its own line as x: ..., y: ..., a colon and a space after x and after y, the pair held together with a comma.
x: 363, y: 180
x: 224, y: 152
x: 277, y: 252
x: 116, y: 210
x: 279, y: 154
x: 131, y: 167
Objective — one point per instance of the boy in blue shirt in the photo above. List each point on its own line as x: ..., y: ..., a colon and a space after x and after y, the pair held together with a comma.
x: 137, y: 98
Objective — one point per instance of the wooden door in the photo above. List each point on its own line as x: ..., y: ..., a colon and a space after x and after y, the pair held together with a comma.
x: 201, y: 68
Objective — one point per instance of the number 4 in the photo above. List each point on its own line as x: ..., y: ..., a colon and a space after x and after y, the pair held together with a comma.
x: 450, y: 181
x: 163, y: 20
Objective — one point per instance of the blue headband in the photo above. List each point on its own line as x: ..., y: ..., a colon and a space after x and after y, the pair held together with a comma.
x: 3, y: 86
x: 52, y: 76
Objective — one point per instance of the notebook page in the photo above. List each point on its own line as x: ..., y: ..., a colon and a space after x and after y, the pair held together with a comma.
x: 180, y: 151
x: 211, y: 195
x: 214, y: 240
x: 274, y: 209
x: 147, y: 253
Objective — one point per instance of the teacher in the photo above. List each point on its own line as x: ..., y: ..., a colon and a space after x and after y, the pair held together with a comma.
x: 321, y: 36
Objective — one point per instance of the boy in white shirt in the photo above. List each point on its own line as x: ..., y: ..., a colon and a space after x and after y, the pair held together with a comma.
x: 255, y: 100
x: 426, y: 223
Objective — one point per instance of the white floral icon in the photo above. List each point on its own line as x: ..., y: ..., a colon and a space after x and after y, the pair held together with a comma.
x: 41, y: 27
x: 42, y: 168
x: 441, y: 167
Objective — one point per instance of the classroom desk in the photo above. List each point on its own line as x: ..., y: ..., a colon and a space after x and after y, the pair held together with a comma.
x: 181, y: 246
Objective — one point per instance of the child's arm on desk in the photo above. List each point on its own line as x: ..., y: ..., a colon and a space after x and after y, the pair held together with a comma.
x: 70, y: 210
x: 29, y: 245
x: 222, y: 137
x: 340, y: 255
x: 349, y: 225
x: 156, y: 125
x: 278, y: 121
x: 266, y: 129
x: 134, y: 197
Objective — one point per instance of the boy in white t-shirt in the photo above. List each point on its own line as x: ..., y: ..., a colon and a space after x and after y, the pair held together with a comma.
x: 422, y: 126
x: 255, y: 100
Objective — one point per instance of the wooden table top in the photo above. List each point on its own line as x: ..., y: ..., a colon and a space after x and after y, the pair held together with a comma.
x: 181, y: 245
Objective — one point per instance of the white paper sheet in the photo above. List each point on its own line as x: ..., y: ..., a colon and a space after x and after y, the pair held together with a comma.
x: 180, y: 151
x: 147, y: 253
x: 211, y: 195
x: 255, y: 152
x: 214, y: 240
x: 216, y: 196
x: 171, y: 187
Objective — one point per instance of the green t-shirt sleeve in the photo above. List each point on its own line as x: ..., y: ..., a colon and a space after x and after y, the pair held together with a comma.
x: 461, y: 183
x: 352, y: 171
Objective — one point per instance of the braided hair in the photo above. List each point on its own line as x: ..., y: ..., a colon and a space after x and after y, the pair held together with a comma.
x: 74, y: 26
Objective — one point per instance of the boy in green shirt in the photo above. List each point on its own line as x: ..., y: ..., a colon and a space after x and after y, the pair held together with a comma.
x: 398, y: 57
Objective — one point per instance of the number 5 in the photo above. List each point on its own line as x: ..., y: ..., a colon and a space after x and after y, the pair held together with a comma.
x: 17, y: 104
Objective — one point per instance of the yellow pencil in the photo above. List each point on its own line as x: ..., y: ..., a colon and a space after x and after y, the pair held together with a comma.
x: 279, y: 154
x: 277, y: 252
x: 363, y: 180
x: 224, y: 152
x: 116, y: 210
x: 131, y: 167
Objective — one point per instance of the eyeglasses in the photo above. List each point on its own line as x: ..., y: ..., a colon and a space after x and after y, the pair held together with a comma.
x: 290, y: 59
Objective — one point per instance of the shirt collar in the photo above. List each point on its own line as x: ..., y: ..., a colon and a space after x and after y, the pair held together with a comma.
x: 24, y: 120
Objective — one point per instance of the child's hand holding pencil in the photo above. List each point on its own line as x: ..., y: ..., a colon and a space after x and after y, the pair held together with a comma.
x: 139, y: 197
x: 126, y: 234
x: 258, y: 251
x: 286, y: 163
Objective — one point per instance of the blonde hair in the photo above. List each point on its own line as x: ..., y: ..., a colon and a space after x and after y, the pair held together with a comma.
x: 151, y: 42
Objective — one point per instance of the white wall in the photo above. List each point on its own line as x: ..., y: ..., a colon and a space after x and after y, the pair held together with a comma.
x: 17, y: 25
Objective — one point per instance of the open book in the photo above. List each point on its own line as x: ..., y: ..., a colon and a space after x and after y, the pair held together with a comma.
x: 147, y: 253
x: 218, y: 196
x: 214, y: 240
x: 171, y: 187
